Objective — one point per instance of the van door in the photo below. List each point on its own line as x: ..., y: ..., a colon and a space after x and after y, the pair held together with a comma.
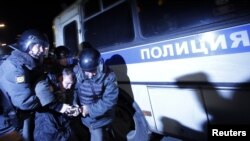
x: 72, y: 34
x: 67, y: 29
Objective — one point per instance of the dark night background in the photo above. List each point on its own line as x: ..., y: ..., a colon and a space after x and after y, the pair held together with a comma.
x: 19, y: 15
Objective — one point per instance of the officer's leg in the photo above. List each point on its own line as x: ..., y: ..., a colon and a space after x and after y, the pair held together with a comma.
x: 26, y: 129
x: 97, y: 134
x: 102, y: 134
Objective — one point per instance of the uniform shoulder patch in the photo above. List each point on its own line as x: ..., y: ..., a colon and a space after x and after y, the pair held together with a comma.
x: 20, y: 79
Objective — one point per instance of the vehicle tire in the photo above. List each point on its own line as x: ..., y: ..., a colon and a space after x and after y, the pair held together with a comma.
x: 129, y: 123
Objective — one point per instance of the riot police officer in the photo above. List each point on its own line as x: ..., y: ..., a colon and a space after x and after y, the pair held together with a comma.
x: 97, y: 92
x: 17, y: 79
x: 62, y: 53
x: 61, y: 57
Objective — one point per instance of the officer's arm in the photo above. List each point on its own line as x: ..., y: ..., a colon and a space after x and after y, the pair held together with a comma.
x: 108, y: 100
x: 45, y: 93
x: 19, y: 90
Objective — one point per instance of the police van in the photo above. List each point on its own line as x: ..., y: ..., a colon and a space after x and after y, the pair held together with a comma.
x: 182, y: 65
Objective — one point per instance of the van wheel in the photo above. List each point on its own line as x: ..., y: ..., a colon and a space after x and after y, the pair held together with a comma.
x: 129, y: 123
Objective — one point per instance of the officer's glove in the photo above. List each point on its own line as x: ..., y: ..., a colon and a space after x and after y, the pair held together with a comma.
x: 84, y: 110
x: 74, y: 111
x: 65, y: 108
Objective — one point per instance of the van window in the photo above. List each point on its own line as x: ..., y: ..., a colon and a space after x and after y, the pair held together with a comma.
x: 110, y: 27
x: 70, y: 37
x: 107, y: 3
x: 157, y: 17
x: 91, y: 7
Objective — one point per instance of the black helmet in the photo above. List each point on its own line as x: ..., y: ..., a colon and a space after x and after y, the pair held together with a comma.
x: 85, y: 45
x: 89, y: 59
x: 31, y: 37
x: 61, y: 52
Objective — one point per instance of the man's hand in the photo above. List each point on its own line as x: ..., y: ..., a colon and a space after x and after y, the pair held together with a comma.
x: 65, y: 108
x: 74, y: 111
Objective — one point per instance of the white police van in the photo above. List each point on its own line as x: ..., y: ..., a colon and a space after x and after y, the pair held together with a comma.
x: 182, y: 65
